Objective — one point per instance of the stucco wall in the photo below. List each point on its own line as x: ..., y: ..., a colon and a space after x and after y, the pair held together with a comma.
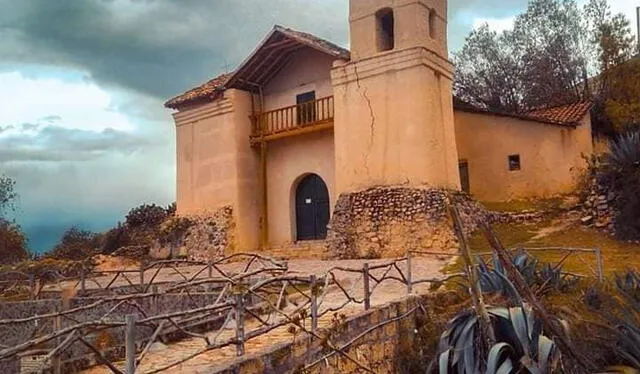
x: 308, y: 70
x: 216, y: 166
x: 289, y: 160
x: 411, y: 25
x: 550, y: 155
x: 393, y: 122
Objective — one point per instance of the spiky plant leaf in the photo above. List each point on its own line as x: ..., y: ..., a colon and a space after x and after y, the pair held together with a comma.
x: 520, y: 344
x: 499, y: 359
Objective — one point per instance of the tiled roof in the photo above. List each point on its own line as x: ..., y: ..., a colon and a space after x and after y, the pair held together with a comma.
x: 565, y: 115
x: 206, y: 90
x: 570, y: 114
x: 315, y: 41
x: 209, y: 89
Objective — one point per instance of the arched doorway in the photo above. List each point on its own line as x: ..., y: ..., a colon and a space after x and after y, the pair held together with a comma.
x: 312, y: 208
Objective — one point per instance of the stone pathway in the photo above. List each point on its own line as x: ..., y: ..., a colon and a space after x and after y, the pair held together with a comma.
x: 422, y: 268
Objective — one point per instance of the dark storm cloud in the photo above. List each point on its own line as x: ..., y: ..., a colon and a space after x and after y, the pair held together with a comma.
x: 54, y: 144
x: 156, y: 47
x: 162, y: 47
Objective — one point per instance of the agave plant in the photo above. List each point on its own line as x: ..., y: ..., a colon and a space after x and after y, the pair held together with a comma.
x: 520, y: 346
x: 551, y: 277
x: 542, y: 277
x: 629, y: 284
x: 624, y: 154
x: 493, y: 279
x: 621, y: 174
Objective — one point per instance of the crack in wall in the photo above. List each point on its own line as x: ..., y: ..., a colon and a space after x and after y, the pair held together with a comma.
x: 372, y: 125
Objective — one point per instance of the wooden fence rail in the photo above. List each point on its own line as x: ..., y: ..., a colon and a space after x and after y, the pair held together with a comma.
x: 314, y: 297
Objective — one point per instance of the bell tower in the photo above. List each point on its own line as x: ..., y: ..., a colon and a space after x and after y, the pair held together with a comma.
x: 393, y: 99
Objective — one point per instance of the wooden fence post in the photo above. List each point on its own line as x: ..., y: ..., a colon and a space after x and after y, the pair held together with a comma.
x: 141, y: 273
x: 367, y: 295
x: 130, y: 344
x: 57, y: 325
x: 32, y: 286
x: 314, y: 304
x: 83, y: 280
x: 409, y: 279
x: 239, y: 309
x: 600, y: 265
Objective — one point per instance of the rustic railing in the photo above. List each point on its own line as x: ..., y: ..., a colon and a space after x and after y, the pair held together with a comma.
x: 293, y: 117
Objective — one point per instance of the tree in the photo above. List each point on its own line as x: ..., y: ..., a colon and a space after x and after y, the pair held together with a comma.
x: 487, y: 71
x: 545, y: 60
x: 622, y: 95
x: 7, y: 194
x: 146, y: 216
x: 13, y: 243
x: 617, y: 88
x: 76, y: 244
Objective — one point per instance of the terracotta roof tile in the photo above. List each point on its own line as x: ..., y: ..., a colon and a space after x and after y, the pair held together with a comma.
x: 208, y: 89
x: 205, y: 90
x: 565, y: 115
x: 313, y: 40
x: 570, y: 114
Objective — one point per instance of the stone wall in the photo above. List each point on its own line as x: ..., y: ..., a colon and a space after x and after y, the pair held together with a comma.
x: 198, y: 236
x: 382, y: 349
x: 598, y: 206
x: 110, y: 341
x: 388, y: 221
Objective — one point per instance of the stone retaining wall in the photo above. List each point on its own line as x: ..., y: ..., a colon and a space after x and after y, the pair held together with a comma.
x: 382, y: 349
x: 388, y: 221
x: 110, y: 341
x: 198, y: 237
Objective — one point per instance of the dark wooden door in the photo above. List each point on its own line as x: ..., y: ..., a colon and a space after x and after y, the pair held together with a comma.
x: 312, y: 208
x: 306, y: 107
x: 463, y: 166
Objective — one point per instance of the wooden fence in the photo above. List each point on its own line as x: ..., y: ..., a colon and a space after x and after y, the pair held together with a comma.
x: 263, y: 293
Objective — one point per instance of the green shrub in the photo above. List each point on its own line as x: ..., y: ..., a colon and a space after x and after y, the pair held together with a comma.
x: 76, y: 244
x: 173, y: 231
x: 114, y: 239
x: 146, y: 216
x: 13, y: 243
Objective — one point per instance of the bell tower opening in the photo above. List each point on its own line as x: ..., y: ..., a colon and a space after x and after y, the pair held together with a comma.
x: 432, y: 23
x: 385, y: 29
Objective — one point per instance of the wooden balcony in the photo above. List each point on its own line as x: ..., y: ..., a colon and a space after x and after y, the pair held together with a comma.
x: 293, y: 120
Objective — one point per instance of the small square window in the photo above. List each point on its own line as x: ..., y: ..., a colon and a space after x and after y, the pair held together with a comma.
x: 514, y: 162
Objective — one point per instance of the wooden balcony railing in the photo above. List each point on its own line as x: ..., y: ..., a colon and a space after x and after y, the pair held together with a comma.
x: 292, y: 119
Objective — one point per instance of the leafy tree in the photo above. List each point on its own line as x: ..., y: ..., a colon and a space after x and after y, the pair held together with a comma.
x: 114, y: 239
x: 487, y: 71
x: 13, y: 243
x: 146, y: 216
x: 546, y: 59
x: 76, y: 244
x: 7, y: 194
x: 622, y: 96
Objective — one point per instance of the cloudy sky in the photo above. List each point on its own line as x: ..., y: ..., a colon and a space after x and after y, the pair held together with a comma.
x: 82, y: 127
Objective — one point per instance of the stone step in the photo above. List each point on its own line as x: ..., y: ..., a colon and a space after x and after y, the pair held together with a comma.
x: 300, y: 250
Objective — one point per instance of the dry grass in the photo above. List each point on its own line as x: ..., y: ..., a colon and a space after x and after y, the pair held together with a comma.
x: 551, y: 204
x: 617, y: 256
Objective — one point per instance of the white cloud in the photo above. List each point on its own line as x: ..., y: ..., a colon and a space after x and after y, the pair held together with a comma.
x: 495, y: 24
x: 74, y: 104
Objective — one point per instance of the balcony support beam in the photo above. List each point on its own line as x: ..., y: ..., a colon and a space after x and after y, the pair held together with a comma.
x: 264, y: 226
x: 294, y: 132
